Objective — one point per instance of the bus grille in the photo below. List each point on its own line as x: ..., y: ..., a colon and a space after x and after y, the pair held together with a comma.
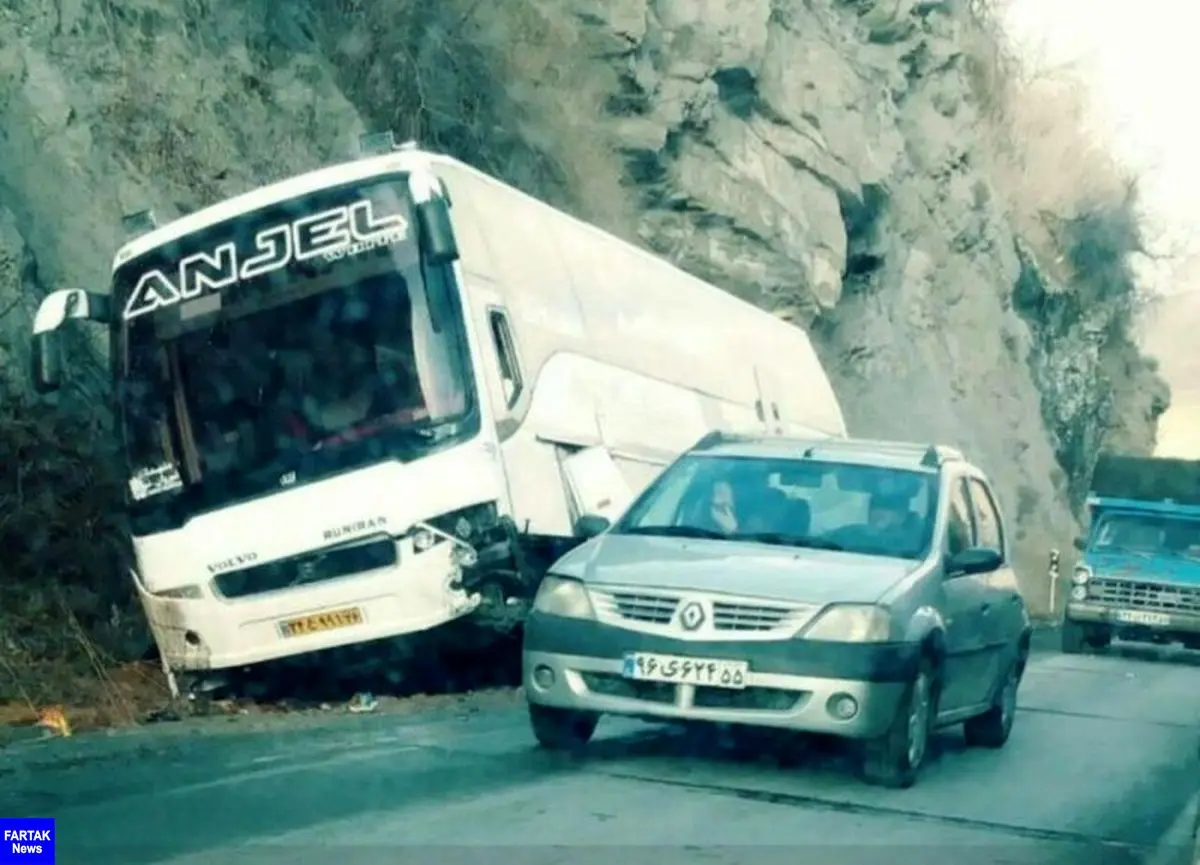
x: 314, y: 567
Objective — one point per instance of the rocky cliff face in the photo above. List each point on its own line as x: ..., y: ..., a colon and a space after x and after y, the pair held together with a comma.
x: 823, y: 158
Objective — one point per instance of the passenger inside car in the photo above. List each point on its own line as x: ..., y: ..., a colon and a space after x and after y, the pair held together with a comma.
x: 895, y: 525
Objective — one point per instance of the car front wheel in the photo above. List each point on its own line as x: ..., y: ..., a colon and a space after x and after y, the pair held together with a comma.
x: 562, y: 729
x: 896, y: 757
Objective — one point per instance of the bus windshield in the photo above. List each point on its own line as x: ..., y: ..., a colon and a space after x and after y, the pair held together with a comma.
x: 296, y: 374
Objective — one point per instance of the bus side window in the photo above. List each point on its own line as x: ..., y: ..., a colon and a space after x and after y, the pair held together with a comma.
x: 506, y: 353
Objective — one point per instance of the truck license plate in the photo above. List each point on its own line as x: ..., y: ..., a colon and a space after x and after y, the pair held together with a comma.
x: 678, y: 670
x: 1141, y: 617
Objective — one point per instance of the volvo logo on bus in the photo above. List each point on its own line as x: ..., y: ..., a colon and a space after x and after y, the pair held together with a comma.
x: 333, y: 233
x: 233, y: 563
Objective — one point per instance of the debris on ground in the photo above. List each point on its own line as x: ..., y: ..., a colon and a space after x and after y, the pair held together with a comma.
x: 54, y: 720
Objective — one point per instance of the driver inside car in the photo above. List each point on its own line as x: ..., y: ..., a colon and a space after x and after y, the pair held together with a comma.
x: 892, y: 520
x: 722, y: 508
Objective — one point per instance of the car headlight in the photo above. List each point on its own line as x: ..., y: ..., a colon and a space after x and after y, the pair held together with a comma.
x: 559, y: 596
x: 1081, y: 575
x: 850, y: 623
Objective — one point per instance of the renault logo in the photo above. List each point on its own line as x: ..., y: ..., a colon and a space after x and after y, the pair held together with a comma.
x: 691, y: 616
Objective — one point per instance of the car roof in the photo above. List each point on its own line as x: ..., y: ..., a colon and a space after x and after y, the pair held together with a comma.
x: 910, y: 456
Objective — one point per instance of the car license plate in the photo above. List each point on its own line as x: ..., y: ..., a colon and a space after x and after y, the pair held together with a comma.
x: 1141, y: 617
x: 677, y: 670
x: 319, y: 622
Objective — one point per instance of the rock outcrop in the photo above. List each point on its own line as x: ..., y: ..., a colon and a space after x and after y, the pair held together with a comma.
x: 822, y: 158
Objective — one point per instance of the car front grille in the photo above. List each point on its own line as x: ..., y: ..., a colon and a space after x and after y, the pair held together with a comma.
x: 748, y: 617
x: 659, y: 608
x: 1134, y: 595
x: 656, y: 609
x: 317, y: 566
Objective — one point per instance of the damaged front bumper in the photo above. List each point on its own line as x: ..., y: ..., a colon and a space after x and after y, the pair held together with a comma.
x: 206, y: 631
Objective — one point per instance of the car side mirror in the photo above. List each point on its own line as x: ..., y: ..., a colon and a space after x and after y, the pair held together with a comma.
x: 974, y: 560
x: 1079, y: 544
x: 590, y: 525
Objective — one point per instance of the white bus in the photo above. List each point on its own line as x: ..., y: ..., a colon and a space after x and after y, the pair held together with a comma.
x: 375, y: 398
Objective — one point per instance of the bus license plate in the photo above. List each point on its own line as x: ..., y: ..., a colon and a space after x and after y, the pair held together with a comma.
x: 319, y: 622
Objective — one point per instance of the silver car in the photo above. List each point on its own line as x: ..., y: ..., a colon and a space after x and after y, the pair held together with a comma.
x: 854, y: 588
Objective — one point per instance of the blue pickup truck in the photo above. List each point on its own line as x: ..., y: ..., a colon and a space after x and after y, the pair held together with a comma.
x: 1138, y: 575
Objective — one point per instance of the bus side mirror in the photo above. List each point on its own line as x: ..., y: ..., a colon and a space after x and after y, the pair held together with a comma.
x: 1079, y: 544
x: 436, y: 231
x: 55, y: 309
x: 47, y: 361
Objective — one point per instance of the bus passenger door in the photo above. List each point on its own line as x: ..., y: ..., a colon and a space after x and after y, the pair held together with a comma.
x: 497, y: 365
x: 595, y: 484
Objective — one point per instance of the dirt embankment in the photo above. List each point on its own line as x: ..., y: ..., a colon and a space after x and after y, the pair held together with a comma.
x: 880, y: 172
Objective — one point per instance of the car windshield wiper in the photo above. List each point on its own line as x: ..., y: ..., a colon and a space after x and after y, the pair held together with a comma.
x: 675, y: 532
x: 786, y: 540
x: 1121, y: 550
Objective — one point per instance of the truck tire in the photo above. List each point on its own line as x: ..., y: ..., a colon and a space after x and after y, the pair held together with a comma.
x: 562, y: 729
x: 895, y: 758
x: 1074, y: 639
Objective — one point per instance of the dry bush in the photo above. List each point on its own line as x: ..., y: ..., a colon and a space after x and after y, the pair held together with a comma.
x: 66, y: 612
x: 1067, y: 194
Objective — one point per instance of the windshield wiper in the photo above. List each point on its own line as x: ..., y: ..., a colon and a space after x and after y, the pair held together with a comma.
x: 1132, y: 551
x: 786, y: 540
x: 676, y: 532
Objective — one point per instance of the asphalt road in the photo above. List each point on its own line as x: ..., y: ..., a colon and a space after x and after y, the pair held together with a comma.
x: 1102, y: 764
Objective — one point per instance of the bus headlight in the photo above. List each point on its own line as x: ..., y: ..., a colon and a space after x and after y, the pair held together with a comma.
x: 558, y: 596
x: 1081, y: 575
x: 423, y: 539
x: 184, y: 593
x: 464, y: 556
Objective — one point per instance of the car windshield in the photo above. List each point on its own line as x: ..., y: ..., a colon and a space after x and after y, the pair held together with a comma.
x: 845, y: 507
x: 1147, y: 534
x: 319, y: 370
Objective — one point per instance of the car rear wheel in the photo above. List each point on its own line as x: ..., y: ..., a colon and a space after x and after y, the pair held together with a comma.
x: 993, y: 727
x: 562, y: 729
x: 896, y: 757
